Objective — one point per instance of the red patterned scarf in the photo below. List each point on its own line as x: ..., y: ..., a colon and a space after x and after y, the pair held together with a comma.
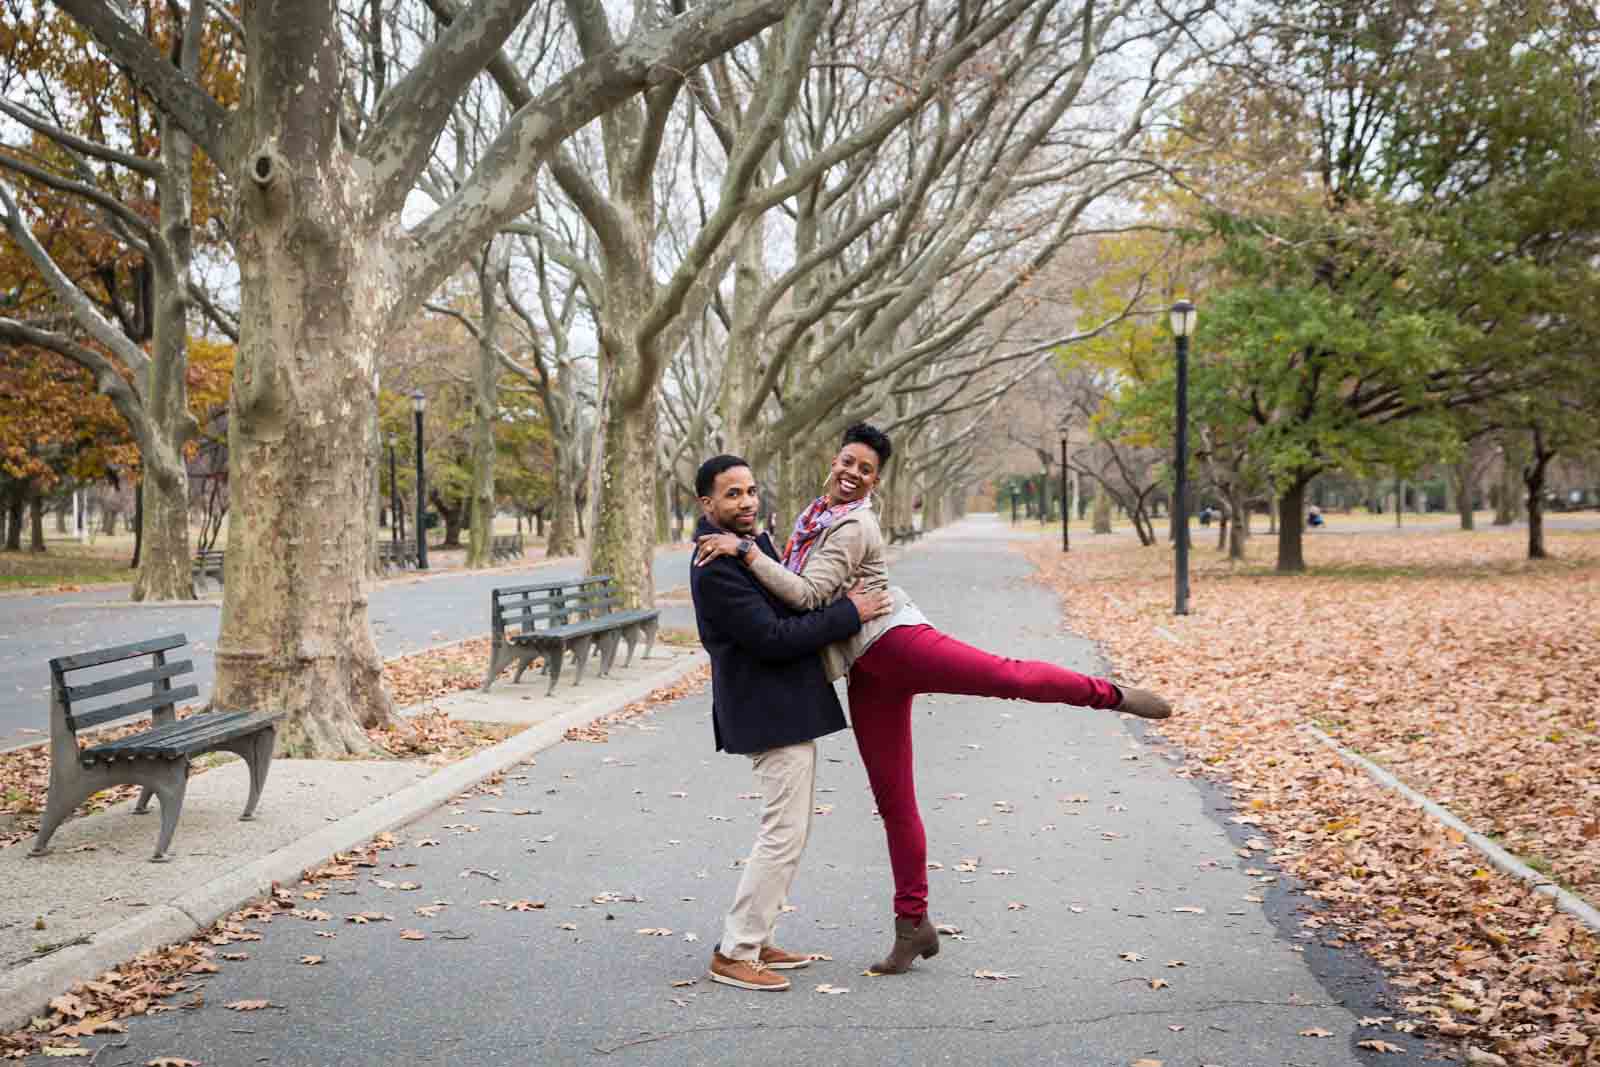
x: 809, y: 526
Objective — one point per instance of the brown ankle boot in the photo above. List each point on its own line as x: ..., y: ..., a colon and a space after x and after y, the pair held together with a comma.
x: 912, y: 938
x: 1143, y: 703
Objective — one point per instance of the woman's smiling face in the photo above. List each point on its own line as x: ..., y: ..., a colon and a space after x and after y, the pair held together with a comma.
x: 854, y: 473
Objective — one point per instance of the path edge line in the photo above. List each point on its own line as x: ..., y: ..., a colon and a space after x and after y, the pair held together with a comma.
x: 1504, y: 861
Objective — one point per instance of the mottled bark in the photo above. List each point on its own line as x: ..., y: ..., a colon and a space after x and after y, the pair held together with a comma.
x: 1102, y: 512
x: 485, y: 404
x: 623, y: 544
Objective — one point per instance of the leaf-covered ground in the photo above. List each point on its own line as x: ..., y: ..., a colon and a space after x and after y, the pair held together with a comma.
x: 1452, y: 661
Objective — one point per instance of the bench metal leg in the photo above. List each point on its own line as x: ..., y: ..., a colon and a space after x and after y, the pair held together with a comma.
x: 580, y: 656
x: 608, y: 651
x: 523, y: 663
x: 170, y: 793
x: 66, y: 793
x: 143, y: 806
x: 552, y: 667
x: 650, y: 628
x: 499, y: 656
x: 256, y: 751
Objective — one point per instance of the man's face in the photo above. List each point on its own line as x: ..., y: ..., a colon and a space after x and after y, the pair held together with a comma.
x: 733, y: 502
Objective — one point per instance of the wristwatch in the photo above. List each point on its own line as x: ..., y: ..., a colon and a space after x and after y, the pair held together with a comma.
x: 745, y: 545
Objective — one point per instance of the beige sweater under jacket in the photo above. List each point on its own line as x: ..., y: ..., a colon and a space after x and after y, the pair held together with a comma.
x: 849, y: 550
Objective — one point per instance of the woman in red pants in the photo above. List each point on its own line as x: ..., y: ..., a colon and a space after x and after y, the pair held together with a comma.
x: 835, y: 544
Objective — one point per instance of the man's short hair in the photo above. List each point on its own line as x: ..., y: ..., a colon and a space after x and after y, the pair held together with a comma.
x: 705, y: 479
x: 873, y: 438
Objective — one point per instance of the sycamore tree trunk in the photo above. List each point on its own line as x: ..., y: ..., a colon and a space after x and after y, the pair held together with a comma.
x: 485, y: 404
x: 562, y: 539
x: 1102, y: 512
x: 1291, y: 528
x: 1507, y: 505
x: 295, y: 635
x: 164, y: 572
x: 623, y: 544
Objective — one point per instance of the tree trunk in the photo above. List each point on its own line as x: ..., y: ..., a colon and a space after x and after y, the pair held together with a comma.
x: 1510, y: 493
x: 313, y: 284
x: 138, y: 524
x: 563, y: 536
x: 1533, y: 476
x: 452, y: 516
x: 65, y: 510
x: 1102, y: 511
x: 1461, y: 477
x: 164, y: 572
x: 485, y: 403
x: 108, y: 520
x: 1239, y: 528
x: 623, y: 545
x: 36, y: 523
x: 1291, y: 529
x: 13, y: 523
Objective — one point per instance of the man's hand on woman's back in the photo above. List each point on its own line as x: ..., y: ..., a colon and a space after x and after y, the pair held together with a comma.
x: 870, y: 605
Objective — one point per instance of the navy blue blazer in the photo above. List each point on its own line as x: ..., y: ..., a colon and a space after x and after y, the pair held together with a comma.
x: 768, y: 686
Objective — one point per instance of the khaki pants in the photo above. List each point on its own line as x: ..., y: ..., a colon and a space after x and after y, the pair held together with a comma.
x: 787, y: 778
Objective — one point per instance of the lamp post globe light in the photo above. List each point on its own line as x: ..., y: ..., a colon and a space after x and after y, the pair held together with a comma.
x: 419, y: 404
x: 397, y: 534
x: 1183, y: 321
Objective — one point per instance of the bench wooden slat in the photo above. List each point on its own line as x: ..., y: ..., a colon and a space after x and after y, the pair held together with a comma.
x: 127, y: 681
x: 120, y: 652
x: 198, y: 733
x: 84, y: 719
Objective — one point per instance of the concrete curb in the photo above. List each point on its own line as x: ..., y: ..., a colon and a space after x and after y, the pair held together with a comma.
x: 25, y: 991
x: 1570, y: 903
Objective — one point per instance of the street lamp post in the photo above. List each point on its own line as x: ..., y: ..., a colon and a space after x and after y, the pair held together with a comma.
x: 397, y: 533
x: 419, y: 404
x: 1183, y: 319
x: 1066, y: 501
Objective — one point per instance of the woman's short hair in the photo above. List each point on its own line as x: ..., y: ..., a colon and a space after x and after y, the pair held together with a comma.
x: 872, y: 437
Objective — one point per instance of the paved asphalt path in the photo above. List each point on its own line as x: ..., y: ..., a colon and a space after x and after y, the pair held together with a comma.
x: 1085, y: 844
x: 407, y: 615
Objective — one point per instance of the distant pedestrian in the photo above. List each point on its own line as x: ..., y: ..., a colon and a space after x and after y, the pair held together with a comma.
x: 770, y: 700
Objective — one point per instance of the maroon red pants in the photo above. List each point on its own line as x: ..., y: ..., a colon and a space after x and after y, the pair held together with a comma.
x: 919, y: 659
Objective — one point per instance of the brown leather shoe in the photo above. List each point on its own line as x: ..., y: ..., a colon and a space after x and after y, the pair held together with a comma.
x: 745, y: 974
x: 1143, y: 703
x: 912, y: 938
x: 776, y: 959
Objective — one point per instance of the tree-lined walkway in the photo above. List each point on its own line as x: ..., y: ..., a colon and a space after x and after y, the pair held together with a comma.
x: 1105, y: 914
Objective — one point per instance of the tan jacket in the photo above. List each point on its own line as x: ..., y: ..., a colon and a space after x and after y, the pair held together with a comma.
x: 850, y: 549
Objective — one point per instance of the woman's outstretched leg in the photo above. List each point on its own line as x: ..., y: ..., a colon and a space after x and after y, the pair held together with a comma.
x: 930, y: 661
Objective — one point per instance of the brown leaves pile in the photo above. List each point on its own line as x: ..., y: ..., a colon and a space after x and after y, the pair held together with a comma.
x: 1446, y: 657
x: 598, y: 731
x: 437, y: 672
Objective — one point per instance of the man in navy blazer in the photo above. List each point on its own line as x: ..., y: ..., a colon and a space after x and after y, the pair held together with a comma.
x: 770, y: 700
